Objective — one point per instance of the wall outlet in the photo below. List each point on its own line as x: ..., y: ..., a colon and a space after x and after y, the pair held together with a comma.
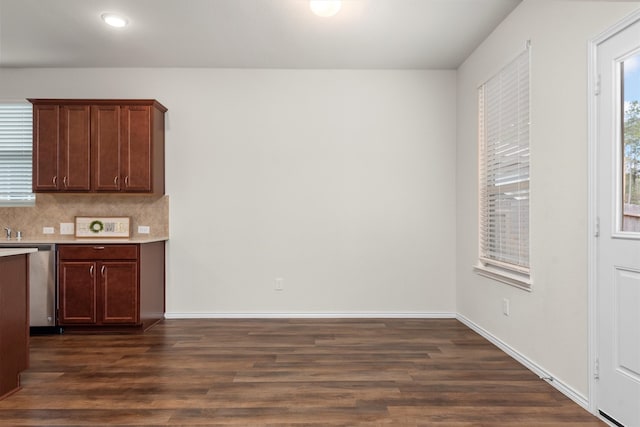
x: 144, y: 229
x: 48, y: 230
x: 279, y: 284
x: 505, y: 306
x: 67, y: 228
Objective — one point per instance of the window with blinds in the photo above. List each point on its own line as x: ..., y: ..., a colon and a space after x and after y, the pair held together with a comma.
x: 504, y: 173
x: 15, y: 154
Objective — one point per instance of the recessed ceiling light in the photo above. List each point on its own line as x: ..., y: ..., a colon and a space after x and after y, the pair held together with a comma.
x: 325, y: 8
x: 114, y: 20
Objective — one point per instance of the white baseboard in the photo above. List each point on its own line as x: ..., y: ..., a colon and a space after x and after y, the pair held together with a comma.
x: 307, y: 315
x: 568, y: 391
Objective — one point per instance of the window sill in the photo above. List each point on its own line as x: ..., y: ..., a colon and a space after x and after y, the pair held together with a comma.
x: 17, y: 204
x: 521, y: 281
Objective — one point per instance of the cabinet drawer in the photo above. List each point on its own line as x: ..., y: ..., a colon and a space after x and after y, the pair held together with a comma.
x: 98, y: 252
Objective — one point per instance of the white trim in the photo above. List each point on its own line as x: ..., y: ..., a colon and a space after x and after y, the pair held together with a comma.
x: 565, y: 389
x: 592, y: 220
x: 14, y: 101
x: 311, y: 315
x: 625, y: 235
x: 592, y: 211
x: 520, y: 281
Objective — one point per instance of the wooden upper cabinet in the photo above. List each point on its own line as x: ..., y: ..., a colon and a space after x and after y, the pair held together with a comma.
x: 46, y: 147
x: 137, y: 148
x: 75, y: 158
x: 105, y: 124
x: 108, y: 146
x: 61, y: 141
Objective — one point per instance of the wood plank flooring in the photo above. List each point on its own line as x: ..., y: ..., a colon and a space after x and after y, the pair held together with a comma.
x: 337, y: 372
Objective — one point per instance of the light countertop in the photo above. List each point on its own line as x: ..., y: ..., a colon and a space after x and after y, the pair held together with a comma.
x: 71, y: 240
x: 16, y: 251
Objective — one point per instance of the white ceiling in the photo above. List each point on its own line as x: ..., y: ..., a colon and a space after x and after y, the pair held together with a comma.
x: 371, y: 34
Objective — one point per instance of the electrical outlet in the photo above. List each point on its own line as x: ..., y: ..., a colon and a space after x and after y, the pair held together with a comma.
x: 144, y: 229
x: 48, y: 230
x: 279, y: 284
x: 67, y: 228
x: 505, y: 306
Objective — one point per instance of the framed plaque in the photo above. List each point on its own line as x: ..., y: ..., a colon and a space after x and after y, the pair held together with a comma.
x: 103, y: 226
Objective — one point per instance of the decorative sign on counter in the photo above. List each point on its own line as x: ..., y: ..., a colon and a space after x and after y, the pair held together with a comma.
x: 105, y: 226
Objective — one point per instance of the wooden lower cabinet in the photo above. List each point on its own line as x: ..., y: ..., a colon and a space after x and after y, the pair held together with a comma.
x: 119, y: 292
x: 78, y: 293
x: 110, y: 287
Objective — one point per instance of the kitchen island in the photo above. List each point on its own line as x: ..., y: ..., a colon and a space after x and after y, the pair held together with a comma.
x: 14, y: 317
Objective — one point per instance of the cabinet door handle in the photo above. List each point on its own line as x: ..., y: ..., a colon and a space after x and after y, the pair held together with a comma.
x: 126, y: 181
x: 64, y: 181
x: 91, y: 271
x: 55, y: 180
x: 98, y: 248
x: 102, y: 271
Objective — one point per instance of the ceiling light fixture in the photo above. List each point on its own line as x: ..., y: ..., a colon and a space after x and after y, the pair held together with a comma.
x: 114, y: 20
x: 325, y: 8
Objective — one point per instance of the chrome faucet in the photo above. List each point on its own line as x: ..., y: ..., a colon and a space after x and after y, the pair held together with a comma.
x: 8, y: 230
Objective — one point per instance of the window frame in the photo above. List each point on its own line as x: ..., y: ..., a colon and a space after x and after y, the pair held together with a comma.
x: 517, y: 273
x: 23, y: 140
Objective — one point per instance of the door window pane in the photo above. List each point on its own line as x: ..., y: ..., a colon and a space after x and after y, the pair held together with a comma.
x: 631, y: 144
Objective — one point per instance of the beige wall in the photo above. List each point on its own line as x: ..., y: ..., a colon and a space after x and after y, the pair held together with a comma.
x: 340, y: 182
x: 548, y: 325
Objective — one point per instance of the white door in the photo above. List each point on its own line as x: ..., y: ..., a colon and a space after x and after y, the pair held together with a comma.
x: 618, y: 210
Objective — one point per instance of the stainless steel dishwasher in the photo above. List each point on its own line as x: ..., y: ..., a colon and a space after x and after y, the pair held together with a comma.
x: 42, y: 287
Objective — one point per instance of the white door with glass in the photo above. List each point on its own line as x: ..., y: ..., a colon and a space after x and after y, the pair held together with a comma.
x: 618, y: 211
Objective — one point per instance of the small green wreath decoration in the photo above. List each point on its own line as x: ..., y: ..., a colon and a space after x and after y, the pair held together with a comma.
x: 96, y: 226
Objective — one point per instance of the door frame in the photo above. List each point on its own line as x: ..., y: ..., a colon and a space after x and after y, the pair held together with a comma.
x: 593, y: 84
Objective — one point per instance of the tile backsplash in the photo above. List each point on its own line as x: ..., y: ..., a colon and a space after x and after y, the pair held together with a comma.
x: 52, y: 209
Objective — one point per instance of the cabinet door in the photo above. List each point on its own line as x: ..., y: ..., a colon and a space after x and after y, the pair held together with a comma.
x: 46, y: 147
x: 105, y: 147
x: 75, y: 157
x: 136, y: 150
x: 77, y: 292
x: 119, y: 280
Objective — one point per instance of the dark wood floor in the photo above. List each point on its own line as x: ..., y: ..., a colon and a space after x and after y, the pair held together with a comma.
x: 285, y: 372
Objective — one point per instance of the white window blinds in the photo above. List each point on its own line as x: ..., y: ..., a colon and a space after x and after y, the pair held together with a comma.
x: 504, y: 168
x: 15, y: 154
